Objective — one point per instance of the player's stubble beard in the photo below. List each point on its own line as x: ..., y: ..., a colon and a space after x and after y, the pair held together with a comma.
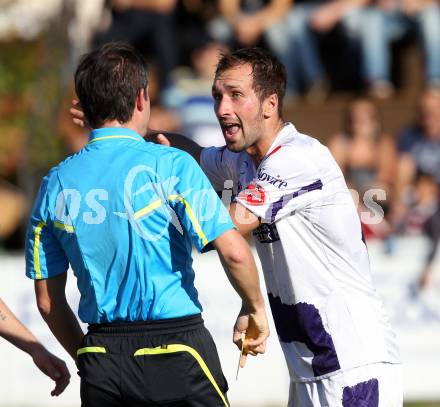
x: 249, y: 135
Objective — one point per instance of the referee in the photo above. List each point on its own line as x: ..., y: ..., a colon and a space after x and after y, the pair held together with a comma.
x: 124, y: 214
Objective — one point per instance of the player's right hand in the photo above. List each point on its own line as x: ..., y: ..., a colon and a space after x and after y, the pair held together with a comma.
x: 163, y: 140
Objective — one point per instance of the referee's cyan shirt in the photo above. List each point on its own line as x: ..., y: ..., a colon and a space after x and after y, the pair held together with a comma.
x: 124, y: 213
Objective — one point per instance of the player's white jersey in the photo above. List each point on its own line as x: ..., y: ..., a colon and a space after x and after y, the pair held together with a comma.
x: 327, y: 313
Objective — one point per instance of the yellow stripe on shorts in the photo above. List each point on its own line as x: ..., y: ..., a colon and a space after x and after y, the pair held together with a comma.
x: 160, y: 350
x: 91, y: 349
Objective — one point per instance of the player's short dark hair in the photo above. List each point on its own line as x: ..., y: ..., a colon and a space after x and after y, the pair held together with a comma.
x: 107, y: 82
x: 269, y: 74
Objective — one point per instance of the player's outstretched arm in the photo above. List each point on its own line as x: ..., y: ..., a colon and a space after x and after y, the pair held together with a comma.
x: 15, y: 332
x: 156, y: 136
x: 241, y: 270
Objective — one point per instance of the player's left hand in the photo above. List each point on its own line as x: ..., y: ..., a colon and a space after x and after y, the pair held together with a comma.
x: 53, y: 367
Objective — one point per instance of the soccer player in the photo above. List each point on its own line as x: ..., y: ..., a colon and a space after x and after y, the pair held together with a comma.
x: 15, y: 332
x: 124, y: 214
x: 292, y: 197
x: 291, y: 194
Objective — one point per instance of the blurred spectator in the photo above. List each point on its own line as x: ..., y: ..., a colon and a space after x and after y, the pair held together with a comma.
x: 191, y: 96
x: 13, y: 201
x: 193, y: 18
x: 321, y: 16
x: 366, y: 156
x: 422, y: 216
x: 418, y: 181
x: 373, y: 28
x: 295, y: 45
x: 362, y: 23
x: 258, y: 22
x: 248, y: 21
x: 148, y: 25
x: 283, y: 25
x: 419, y: 144
x: 290, y: 29
x: 402, y: 18
x: 14, y: 209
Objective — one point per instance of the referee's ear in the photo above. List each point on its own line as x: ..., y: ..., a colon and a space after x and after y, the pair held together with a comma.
x: 142, y: 99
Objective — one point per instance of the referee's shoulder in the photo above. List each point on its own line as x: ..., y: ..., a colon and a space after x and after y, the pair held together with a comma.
x: 161, y: 151
x: 63, y: 165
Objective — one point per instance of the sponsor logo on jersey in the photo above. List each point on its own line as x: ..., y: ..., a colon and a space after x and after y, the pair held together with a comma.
x: 275, y: 181
x: 253, y: 194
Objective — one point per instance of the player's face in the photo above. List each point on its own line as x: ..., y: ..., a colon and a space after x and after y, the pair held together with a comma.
x: 238, y: 108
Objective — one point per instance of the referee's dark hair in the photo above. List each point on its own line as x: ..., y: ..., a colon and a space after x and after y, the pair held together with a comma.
x: 269, y: 74
x: 107, y: 82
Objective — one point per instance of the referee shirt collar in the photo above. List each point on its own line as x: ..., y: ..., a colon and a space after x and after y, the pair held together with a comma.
x: 114, y: 133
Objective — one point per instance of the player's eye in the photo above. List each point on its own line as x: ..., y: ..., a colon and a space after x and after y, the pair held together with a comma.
x: 236, y: 95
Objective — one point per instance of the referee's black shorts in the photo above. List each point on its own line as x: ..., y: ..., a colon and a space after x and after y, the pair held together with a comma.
x: 172, y: 362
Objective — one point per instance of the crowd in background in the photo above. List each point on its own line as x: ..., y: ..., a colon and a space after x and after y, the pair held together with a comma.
x: 362, y: 31
x: 326, y: 46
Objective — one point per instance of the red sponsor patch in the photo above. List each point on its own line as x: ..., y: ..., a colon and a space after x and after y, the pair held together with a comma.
x: 253, y: 194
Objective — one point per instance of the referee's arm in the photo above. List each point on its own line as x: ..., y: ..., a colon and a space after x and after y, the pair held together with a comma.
x: 55, y: 310
x: 241, y: 270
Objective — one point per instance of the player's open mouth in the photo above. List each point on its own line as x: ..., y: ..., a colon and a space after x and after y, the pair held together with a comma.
x: 230, y: 129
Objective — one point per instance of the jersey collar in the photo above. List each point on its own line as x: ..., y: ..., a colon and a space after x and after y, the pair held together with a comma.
x: 287, y: 130
x: 113, y: 133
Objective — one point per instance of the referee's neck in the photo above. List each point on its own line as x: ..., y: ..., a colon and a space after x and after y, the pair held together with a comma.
x: 129, y: 125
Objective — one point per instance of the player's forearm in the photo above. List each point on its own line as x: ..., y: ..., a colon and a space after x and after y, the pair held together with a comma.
x: 14, y: 331
x: 240, y: 268
x: 244, y: 220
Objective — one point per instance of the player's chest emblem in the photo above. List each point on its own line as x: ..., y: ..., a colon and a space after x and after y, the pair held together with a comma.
x: 266, y: 233
x: 254, y: 194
